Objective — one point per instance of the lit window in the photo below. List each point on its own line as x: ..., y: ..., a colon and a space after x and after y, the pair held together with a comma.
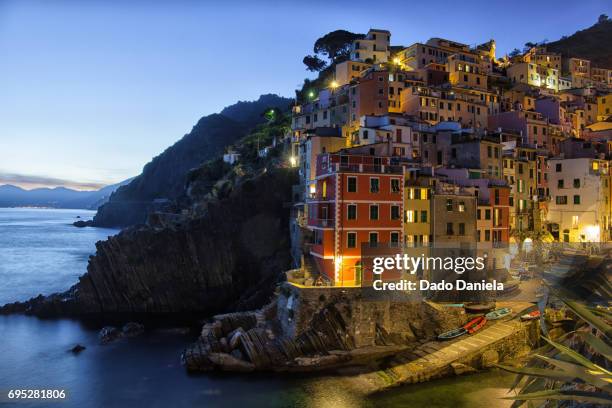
x: 575, y: 221
x: 409, y: 216
x: 461, y: 206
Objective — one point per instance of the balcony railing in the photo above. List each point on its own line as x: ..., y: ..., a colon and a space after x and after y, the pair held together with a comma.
x: 368, y: 168
x: 321, y: 222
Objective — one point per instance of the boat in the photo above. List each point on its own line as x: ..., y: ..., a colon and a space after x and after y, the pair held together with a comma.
x: 531, y: 315
x: 452, y: 334
x: 475, y: 324
x: 498, y: 313
x: 479, y: 307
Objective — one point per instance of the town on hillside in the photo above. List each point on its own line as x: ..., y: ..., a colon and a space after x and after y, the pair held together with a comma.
x: 441, y: 142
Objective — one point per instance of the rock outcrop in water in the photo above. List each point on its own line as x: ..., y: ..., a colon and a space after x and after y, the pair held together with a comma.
x: 224, y: 253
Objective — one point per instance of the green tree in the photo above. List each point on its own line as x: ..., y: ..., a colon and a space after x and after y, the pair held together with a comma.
x: 336, y: 44
x: 314, y: 63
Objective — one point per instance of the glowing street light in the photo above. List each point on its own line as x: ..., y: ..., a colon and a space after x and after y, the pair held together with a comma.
x: 396, y: 61
x: 333, y: 84
x: 292, y: 161
x: 311, y: 94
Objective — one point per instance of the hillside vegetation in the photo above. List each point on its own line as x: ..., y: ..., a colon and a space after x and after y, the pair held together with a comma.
x: 593, y: 43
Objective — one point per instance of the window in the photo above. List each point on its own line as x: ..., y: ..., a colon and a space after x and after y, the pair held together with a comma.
x: 574, y: 221
x: 374, y: 185
x: 449, y: 205
x: 595, y: 166
x: 395, y: 185
x: 478, y: 235
x: 489, y: 151
x: 576, y: 183
x: 487, y: 235
x: 478, y: 214
x: 373, y: 239
x: 487, y: 214
x: 423, y: 215
x: 461, y: 206
x: 461, y: 228
x: 576, y: 199
x: 558, y: 167
x: 351, y: 240
x: 411, y: 216
x: 449, y: 228
x: 561, y: 200
x: 395, y: 238
x: 496, y: 194
x: 395, y: 212
x: 351, y: 185
x: 374, y: 212
x: 351, y: 212
x: 560, y: 183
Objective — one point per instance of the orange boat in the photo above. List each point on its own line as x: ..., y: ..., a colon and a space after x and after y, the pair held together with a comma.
x: 475, y: 324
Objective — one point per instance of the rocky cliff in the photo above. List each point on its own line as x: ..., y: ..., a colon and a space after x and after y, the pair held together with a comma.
x: 225, y: 254
x: 318, y: 329
x: 163, y: 179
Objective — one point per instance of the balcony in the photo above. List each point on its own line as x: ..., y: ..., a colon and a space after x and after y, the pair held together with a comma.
x: 321, y: 222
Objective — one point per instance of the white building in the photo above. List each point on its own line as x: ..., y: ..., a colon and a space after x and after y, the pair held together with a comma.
x: 580, y: 199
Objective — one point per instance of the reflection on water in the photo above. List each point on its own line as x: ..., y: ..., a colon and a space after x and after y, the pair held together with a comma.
x: 483, y: 390
x: 41, y: 252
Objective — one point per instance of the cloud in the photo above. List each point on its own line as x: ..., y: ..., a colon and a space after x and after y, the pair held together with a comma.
x: 30, y: 181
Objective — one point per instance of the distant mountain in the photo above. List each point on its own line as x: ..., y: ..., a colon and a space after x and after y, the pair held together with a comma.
x: 58, y: 197
x: 593, y: 43
x: 164, y: 177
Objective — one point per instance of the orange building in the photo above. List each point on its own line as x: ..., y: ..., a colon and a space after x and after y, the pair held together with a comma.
x: 369, y: 96
x: 357, y: 200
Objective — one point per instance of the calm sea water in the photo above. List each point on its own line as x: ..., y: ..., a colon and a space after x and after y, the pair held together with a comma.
x: 40, y: 252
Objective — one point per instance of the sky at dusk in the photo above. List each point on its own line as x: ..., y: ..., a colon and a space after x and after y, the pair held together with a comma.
x: 91, y: 90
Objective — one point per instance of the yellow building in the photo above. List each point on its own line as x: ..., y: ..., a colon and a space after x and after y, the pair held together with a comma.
x: 534, y: 75
x: 540, y: 56
x: 465, y: 72
x: 604, y: 107
x: 417, y: 210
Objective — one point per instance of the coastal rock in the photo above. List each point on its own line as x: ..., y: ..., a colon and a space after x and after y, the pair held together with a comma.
x: 229, y: 257
x: 109, y: 334
x: 77, y: 349
x: 132, y: 329
x: 234, y: 337
x: 227, y: 362
x: 81, y: 223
